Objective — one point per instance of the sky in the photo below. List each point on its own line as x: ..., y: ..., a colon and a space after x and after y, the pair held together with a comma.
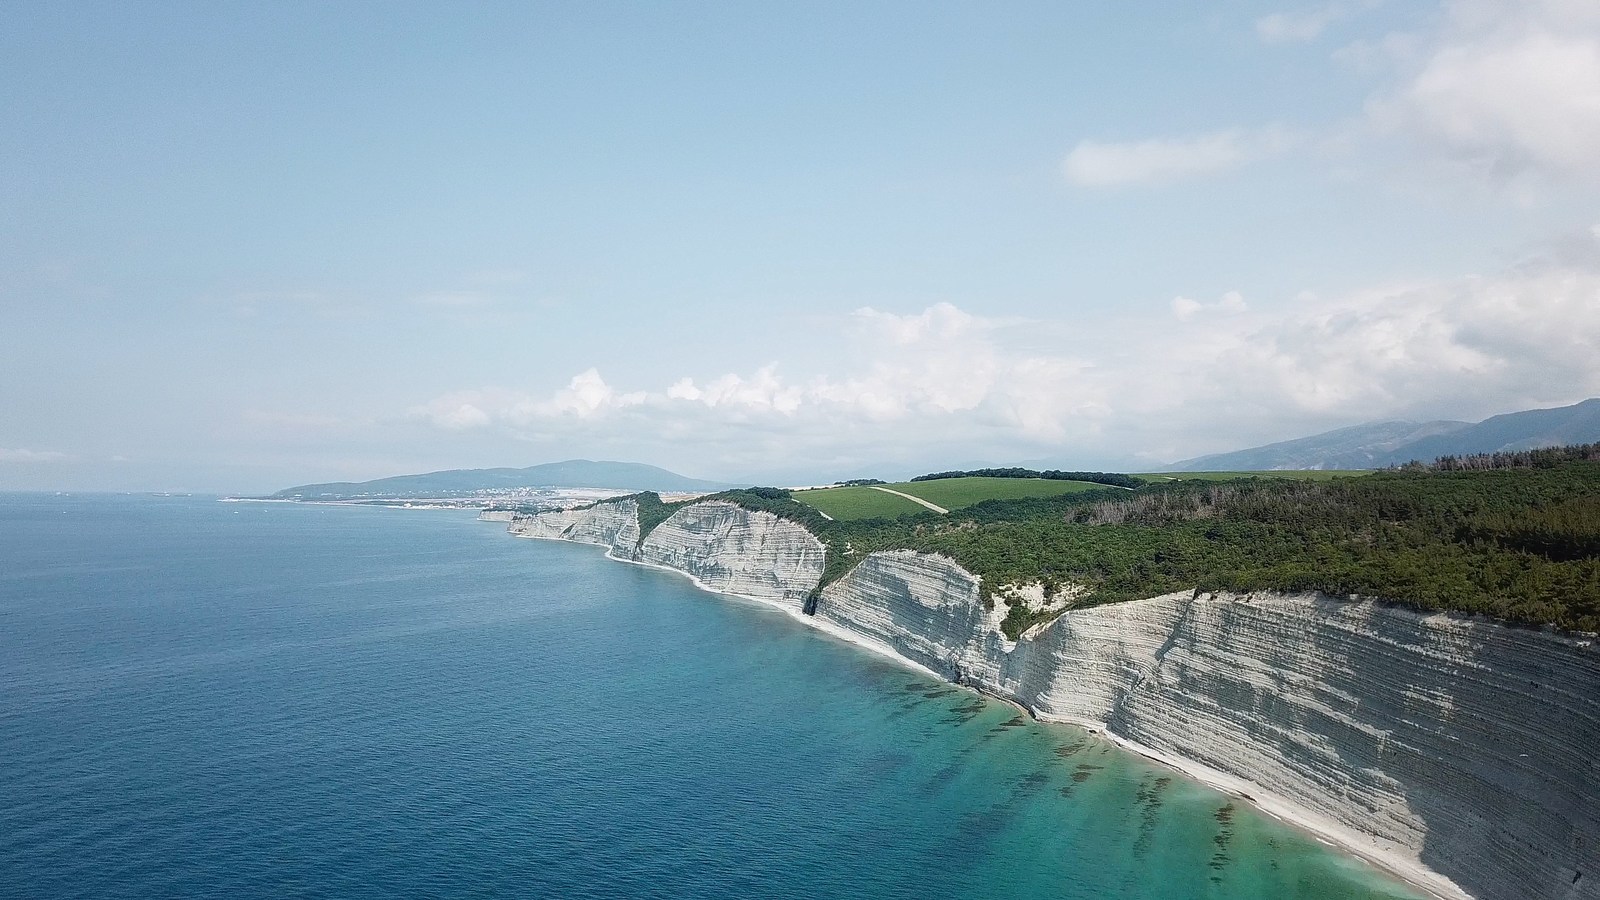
x: 245, y: 246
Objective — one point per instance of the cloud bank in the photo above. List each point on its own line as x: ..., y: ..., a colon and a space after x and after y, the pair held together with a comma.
x: 938, y: 365
x: 1510, y: 89
x: 1214, y: 374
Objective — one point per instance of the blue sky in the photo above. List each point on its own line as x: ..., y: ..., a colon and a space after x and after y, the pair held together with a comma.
x: 243, y: 247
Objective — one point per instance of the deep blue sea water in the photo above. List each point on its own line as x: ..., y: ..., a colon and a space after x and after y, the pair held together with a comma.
x: 204, y: 699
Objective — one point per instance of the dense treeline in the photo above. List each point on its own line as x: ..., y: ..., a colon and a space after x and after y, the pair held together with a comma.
x: 1112, y: 478
x: 1517, y: 459
x: 1519, y: 542
x: 653, y: 511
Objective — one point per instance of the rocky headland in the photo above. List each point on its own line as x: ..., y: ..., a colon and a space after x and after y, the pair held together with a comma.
x: 1460, y: 753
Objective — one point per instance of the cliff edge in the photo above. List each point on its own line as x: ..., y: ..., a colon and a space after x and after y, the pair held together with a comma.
x: 1455, y: 751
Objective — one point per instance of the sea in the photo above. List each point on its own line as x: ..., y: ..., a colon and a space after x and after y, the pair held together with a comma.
x: 226, y: 699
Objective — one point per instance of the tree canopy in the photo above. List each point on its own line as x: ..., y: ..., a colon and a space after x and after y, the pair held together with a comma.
x: 1517, y: 538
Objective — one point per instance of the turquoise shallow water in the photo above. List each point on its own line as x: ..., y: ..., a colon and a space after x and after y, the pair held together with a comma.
x: 218, y: 699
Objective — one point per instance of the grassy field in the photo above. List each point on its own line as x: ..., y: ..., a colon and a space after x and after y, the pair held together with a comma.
x: 1295, y: 474
x: 849, y: 504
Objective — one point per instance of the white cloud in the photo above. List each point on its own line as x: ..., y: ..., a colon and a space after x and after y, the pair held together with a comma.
x: 587, y: 394
x: 942, y: 321
x: 1232, y: 303
x: 461, y: 415
x: 1466, y: 348
x: 1507, y: 91
x: 1097, y: 164
x: 29, y: 456
x: 764, y: 390
x: 927, y: 376
x: 462, y: 410
x: 683, y: 389
x: 1299, y: 25
x: 1511, y: 89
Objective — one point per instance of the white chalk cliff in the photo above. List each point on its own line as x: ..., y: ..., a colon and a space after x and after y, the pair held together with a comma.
x: 614, y: 525
x: 725, y: 547
x: 738, y: 551
x: 1462, y: 753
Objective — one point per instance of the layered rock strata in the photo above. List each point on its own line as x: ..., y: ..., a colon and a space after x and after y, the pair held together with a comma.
x: 613, y: 525
x: 734, y: 550
x: 726, y: 547
x: 1462, y: 745
x: 1460, y: 752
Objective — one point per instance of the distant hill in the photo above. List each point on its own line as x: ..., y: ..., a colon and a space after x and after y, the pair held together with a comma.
x: 1378, y: 444
x: 1356, y: 447
x: 573, y: 473
x: 1527, y: 430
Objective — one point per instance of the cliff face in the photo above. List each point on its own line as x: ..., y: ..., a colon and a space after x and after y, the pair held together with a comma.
x: 1470, y: 744
x: 1462, y: 744
x: 612, y: 525
x: 739, y: 551
x: 726, y: 547
x: 924, y: 608
x: 1459, y: 745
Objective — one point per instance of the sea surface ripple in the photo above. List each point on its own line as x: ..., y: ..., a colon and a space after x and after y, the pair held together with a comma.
x: 203, y: 699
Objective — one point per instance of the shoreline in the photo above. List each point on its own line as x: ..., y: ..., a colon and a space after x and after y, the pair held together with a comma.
x: 1410, y: 872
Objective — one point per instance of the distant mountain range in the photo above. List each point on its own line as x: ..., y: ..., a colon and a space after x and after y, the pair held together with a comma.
x: 1378, y: 444
x: 573, y: 473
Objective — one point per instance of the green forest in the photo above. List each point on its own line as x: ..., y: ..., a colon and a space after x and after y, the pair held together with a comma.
x: 1514, y: 536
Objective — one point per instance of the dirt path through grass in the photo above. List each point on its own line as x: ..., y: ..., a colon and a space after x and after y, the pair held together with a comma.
x: 937, y: 509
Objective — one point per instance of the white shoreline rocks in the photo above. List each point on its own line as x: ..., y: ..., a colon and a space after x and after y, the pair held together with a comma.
x: 1459, y: 753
